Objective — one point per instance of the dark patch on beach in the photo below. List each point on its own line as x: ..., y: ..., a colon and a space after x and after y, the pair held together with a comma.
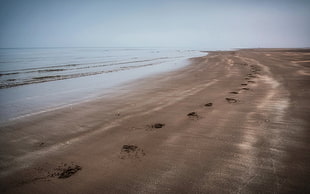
x: 69, y: 171
x: 155, y: 126
x: 131, y: 152
x: 65, y: 171
x: 245, y: 88
x: 250, y: 81
x: 192, y: 115
x: 231, y: 100
x: 158, y: 125
x: 234, y: 92
x: 129, y: 148
x: 255, y: 69
x: 209, y: 104
x: 244, y: 84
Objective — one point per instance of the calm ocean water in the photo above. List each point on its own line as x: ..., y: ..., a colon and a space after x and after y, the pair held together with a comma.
x: 35, y: 80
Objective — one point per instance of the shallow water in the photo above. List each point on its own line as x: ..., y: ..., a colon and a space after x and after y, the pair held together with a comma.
x: 35, y: 80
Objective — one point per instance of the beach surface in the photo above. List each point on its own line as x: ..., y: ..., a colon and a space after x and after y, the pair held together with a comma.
x: 231, y: 122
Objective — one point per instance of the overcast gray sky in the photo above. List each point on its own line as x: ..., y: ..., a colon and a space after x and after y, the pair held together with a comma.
x: 211, y: 24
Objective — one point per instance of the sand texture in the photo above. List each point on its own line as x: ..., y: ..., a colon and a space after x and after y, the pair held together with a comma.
x: 231, y: 122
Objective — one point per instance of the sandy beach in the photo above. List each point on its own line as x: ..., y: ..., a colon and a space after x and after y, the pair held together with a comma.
x: 231, y: 122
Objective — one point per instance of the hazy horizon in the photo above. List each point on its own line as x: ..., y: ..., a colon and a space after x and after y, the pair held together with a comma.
x: 208, y: 24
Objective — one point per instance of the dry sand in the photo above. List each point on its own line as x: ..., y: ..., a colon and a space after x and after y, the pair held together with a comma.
x: 231, y: 122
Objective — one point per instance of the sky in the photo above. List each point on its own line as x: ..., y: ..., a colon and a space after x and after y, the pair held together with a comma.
x: 210, y: 24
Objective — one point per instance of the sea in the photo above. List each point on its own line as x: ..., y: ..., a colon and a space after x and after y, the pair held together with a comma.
x: 36, y: 80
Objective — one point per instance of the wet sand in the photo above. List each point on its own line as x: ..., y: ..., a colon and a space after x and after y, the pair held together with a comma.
x: 231, y: 122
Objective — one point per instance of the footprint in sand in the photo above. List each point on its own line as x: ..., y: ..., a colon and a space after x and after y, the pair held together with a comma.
x: 209, y: 104
x: 234, y: 92
x: 250, y: 81
x: 193, y: 115
x: 244, y: 84
x: 65, y: 171
x: 158, y: 125
x: 231, y: 100
x: 131, y: 152
x: 155, y: 126
x: 245, y: 88
x: 254, y: 70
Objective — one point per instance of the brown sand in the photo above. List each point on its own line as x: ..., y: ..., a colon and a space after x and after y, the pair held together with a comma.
x: 163, y: 135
